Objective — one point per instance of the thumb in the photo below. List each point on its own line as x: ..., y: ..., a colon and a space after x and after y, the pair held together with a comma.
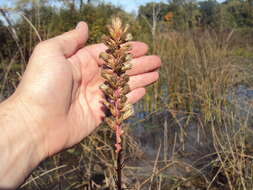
x: 68, y: 43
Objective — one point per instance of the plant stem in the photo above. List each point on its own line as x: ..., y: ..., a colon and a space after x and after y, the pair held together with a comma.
x: 119, y: 170
x: 117, y: 61
x: 118, y: 143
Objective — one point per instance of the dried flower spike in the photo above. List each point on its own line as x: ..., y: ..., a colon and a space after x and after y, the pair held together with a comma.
x: 117, y: 61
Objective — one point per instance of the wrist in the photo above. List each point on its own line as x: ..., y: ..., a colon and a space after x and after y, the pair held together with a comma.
x: 21, y: 142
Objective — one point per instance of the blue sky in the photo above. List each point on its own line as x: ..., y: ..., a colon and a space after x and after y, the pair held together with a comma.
x: 131, y: 5
x: 128, y: 5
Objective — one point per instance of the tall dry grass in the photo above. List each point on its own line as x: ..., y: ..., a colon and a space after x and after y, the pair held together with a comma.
x: 199, y: 75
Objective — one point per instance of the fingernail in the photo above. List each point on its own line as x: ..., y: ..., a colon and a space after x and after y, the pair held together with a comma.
x: 79, y: 25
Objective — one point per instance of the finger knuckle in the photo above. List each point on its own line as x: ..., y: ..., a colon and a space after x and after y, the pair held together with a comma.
x: 42, y: 45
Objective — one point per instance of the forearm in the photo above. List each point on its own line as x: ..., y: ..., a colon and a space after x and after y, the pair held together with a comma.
x: 19, y: 146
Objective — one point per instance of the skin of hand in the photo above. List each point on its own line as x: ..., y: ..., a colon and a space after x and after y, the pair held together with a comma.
x: 58, y: 101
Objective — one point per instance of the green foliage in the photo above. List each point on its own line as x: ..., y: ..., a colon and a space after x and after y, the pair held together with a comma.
x: 241, y: 11
x: 209, y: 11
x: 6, y: 41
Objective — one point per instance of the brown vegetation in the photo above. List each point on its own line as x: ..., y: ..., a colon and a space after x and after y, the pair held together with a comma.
x: 193, y: 130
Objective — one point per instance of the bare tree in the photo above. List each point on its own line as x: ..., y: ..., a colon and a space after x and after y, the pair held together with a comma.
x: 156, y: 8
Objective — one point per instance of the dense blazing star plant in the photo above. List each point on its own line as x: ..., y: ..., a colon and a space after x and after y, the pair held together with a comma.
x: 117, y: 61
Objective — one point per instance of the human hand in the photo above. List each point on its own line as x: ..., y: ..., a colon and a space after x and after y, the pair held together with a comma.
x: 60, y: 87
x: 58, y: 101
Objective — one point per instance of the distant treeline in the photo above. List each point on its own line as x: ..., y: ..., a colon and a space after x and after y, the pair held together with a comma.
x: 186, y: 14
x: 51, y: 17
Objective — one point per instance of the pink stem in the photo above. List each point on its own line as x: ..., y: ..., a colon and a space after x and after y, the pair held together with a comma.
x: 118, y: 138
x: 118, y: 127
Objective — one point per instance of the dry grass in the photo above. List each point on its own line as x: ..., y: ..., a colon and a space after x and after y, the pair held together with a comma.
x: 199, y: 73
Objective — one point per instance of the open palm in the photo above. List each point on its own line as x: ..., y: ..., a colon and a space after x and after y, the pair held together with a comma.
x: 62, y: 80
